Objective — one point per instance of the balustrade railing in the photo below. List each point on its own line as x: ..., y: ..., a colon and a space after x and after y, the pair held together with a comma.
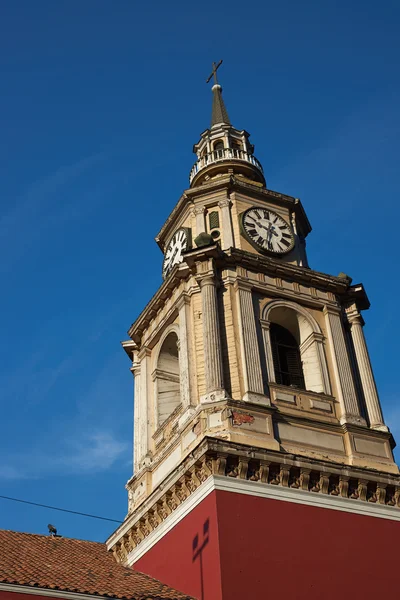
x: 223, y: 154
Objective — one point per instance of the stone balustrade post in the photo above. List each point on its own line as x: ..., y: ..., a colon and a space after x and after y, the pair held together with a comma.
x: 365, y: 369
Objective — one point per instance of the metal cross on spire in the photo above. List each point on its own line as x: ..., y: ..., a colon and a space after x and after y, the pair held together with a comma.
x: 214, y: 72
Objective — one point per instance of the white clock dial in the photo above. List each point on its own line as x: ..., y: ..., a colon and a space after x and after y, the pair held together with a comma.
x: 267, y: 231
x: 173, y: 252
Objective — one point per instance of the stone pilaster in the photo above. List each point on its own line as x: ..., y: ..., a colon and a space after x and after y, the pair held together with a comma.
x: 199, y: 212
x: 144, y: 430
x: 136, y: 416
x: 226, y: 222
x: 184, y: 363
x: 250, y: 353
x: 364, y: 367
x: 342, y: 369
x: 265, y: 326
x: 211, y: 333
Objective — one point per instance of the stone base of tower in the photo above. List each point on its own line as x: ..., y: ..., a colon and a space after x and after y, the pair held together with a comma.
x: 234, y: 540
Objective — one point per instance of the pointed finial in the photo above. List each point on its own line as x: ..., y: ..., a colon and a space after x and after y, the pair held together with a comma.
x: 219, y: 113
x: 214, y: 72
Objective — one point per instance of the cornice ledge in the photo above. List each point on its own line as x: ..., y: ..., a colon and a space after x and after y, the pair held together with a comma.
x: 178, y: 208
x: 258, y: 469
x: 270, y: 265
x: 179, y: 273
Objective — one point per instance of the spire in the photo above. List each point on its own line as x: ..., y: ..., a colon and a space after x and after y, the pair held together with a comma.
x: 219, y: 113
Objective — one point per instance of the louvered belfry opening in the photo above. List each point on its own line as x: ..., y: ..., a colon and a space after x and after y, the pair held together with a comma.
x: 286, y: 357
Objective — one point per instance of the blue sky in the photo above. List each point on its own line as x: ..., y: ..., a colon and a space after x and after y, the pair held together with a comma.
x: 101, y: 103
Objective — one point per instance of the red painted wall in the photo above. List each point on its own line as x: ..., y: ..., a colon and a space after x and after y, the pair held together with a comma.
x: 285, y: 550
x: 269, y: 548
x: 17, y: 596
x: 189, y: 554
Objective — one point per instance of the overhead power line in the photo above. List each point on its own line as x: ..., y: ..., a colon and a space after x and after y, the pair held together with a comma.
x: 73, y: 512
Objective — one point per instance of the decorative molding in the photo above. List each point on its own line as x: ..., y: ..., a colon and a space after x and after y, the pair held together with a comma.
x: 261, y: 473
x: 282, y: 487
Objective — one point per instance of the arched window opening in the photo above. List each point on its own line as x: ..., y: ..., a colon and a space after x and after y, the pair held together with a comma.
x: 295, y: 351
x: 286, y: 357
x: 167, y: 378
x: 219, y: 148
x: 236, y: 148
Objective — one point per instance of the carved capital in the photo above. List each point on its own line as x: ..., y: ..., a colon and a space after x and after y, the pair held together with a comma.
x: 199, y: 210
x: 224, y: 203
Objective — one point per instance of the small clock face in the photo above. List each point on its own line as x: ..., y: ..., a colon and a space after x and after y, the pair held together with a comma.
x: 173, y: 252
x: 267, y: 231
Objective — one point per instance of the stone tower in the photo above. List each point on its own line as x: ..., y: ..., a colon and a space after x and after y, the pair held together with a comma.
x: 254, y: 395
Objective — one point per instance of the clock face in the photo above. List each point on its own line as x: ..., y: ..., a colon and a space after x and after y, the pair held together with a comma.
x: 173, y: 252
x: 267, y: 231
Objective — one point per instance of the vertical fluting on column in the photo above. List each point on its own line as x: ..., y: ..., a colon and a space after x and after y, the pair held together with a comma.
x: 365, y: 369
x: 344, y: 377
x: 250, y: 353
x: 136, y: 416
x: 265, y: 326
x: 184, y: 364
x: 211, y: 333
x: 226, y: 221
x: 143, y: 425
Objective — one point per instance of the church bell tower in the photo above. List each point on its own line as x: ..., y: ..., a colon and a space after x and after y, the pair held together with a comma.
x: 256, y: 414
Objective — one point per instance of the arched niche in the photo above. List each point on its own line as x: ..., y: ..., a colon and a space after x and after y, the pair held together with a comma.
x: 304, y: 329
x: 166, y: 377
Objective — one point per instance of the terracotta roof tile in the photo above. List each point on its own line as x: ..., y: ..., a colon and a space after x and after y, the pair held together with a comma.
x: 75, y: 566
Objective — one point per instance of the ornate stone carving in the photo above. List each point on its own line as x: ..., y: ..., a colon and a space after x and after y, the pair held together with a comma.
x: 219, y: 465
x: 324, y: 482
x: 258, y: 471
x: 242, y: 468
x: 304, y: 478
x: 163, y: 509
x: 344, y: 486
x: 362, y: 489
x: 181, y: 492
x: 284, y: 475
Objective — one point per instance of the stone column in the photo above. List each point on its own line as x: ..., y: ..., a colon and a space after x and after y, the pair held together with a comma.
x: 342, y: 369
x: 364, y: 367
x: 199, y: 212
x: 184, y: 364
x: 211, y: 334
x: 136, y: 417
x: 144, y: 404
x: 265, y: 326
x: 250, y: 353
x: 226, y: 222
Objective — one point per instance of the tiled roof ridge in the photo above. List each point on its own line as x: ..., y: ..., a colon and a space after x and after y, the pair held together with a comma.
x: 51, y: 537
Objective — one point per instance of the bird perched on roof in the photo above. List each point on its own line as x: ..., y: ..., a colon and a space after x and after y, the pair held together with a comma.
x: 52, y: 529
